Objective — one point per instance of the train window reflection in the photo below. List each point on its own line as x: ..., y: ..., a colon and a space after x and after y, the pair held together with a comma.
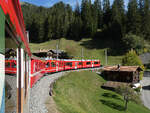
x: 7, y: 64
x: 13, y: 65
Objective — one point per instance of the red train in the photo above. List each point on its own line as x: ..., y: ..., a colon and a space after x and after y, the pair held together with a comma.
x: 40, y: 67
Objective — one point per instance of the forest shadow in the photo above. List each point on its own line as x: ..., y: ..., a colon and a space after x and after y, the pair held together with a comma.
x: 101, y: 41
x: 112, y: 105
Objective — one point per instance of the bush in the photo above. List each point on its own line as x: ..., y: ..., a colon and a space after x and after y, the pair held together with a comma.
x: 132, y: 41
x: 132, y: 59
x: 126, y: 90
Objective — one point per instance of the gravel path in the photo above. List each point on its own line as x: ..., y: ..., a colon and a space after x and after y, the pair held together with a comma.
x: 146, y: 91
x: 10, y: 105
x: 40, y: 93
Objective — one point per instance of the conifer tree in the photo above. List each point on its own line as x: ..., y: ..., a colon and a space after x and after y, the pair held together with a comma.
x: 86, y: 14
x: 118, y: 19
x: 106, y: 12
x: 146, y: 20
x: 98, y: 11
x: 133, y: 17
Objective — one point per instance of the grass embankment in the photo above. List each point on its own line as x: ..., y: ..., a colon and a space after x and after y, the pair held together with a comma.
x: 73, y: 48
x: 80, y: 92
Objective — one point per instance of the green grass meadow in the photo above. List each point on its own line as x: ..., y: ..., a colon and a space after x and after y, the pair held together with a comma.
x: 74, y: 48
x: 81, y: 92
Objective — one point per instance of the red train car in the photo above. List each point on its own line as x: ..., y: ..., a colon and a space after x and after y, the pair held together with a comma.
x: 10, y: 67
x: 51, y: 66
x: 68, y: 64
x: 96, y: 63
x: 37, y: 70
x: 40, y: 67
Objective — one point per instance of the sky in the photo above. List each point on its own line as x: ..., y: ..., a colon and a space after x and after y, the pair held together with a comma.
x: 49, y: 3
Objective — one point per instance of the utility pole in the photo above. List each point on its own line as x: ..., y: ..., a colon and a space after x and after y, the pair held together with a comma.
x: 105, y: 56
x: 27, y: 35
x: 57, y: 50
x: 82, y: 56
x: 82, y: 53
x: 57, y: 47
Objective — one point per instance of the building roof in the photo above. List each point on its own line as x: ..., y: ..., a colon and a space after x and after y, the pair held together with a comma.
x: 49, y: 50
x: 122, y: 68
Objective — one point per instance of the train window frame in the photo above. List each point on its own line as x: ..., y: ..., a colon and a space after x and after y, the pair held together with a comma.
x: 53, y: 64
x: 88, y: 63
x: 6, y: 65
x: 80, y: 63
x: 96, y: 62
x: 47, y: 64
x: 68, y: 64
x: 13, y: 65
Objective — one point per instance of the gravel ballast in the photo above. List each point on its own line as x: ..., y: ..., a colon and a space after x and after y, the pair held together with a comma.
x: 41, y: 91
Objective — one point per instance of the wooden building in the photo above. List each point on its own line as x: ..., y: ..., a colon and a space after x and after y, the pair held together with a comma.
x: 127, y: 74
x: 48, y: 53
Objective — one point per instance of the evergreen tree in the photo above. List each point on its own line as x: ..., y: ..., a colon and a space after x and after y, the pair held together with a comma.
x: 76, y: 26
x: 133, y: 16
x: 106, y: 12
x: 86, y: 14
x: 98, y: 13
x: 146, y: 20
x: 46, y: 30
x: 118, y: 19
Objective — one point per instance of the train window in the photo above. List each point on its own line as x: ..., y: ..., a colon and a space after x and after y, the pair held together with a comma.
x: 95, y: 62
x: 47, y: 65
x: 80, y: 63
x: 13, y: 65
x: 53, y: 64
x: 7, y: 64
x: 88, y: 63
x: 69, y: 64
x: 60, y: 64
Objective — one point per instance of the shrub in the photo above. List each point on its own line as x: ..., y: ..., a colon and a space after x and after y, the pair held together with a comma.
x: 127, y: 91
x: 132, y: 59
x: 132, y: 41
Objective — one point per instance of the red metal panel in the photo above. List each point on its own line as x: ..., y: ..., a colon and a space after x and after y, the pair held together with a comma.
x: 13, y: 9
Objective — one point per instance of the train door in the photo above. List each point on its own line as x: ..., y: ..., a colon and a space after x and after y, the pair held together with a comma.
x: 57, y: 65
x: 92, y: 63
x: 76, y: 64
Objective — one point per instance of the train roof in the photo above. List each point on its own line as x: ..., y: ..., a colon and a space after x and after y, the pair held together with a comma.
x: 68, y: 59
x: 15, y: 20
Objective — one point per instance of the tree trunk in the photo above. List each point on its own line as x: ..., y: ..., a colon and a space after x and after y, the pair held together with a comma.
x: 126, y: 105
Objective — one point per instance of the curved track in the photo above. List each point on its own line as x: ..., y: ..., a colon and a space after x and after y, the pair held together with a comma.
x: 40, y: 92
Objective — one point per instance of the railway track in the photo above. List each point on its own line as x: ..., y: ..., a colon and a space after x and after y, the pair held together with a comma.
x: 41, y: 92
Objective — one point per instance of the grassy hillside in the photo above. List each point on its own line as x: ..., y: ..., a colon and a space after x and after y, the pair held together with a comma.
x: 80, y: 92
x: 74, y: 49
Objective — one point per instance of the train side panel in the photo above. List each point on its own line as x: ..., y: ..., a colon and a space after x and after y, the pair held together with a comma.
x: 37, y: 71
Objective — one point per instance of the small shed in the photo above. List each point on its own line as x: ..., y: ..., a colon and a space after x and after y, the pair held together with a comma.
x: 127, y: 74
